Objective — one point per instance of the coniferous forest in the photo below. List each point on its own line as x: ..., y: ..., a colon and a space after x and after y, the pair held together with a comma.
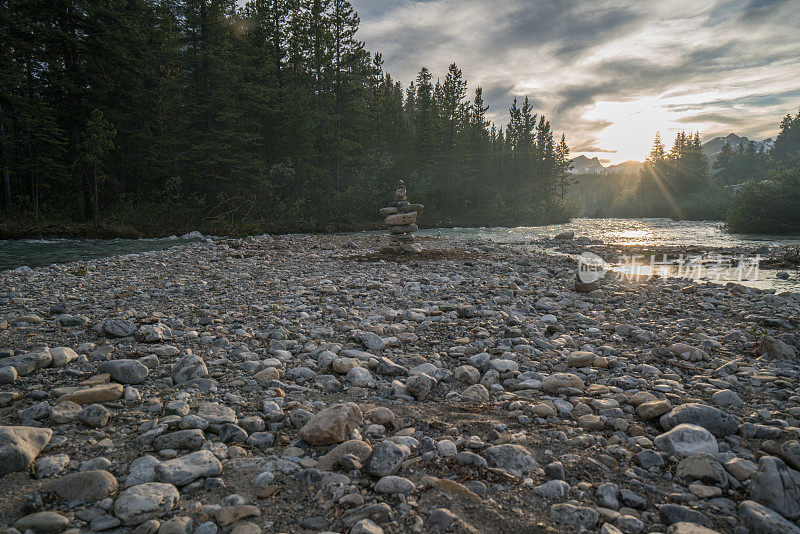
x: 165, y: 116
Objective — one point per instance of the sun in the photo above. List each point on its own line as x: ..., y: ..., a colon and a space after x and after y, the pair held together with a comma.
x: 634, y: 124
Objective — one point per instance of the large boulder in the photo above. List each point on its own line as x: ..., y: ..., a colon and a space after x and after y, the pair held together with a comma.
x: 188, y: 368
x: 186, y: 469
x: 714, y: 420
x: 685, y: 440
x: 42, y: 523
x: 777, y: 349
x: 773, y: 486
x: 154, y: 333
x: 515, y: 459
x: 62, y: 356
x: 84, y: 486
x: 20, y: 445
x: 125, y: 371
x: 333, y: 425
x: 762, y: 520
x: 141, y: 503
x: 558, y: 381
x: 94, y: 394
x: 118, y: 328
x: 25, y: 364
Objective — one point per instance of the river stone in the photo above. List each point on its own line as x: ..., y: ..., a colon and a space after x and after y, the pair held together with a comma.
x: 8, y: 375
x: 726, y: 397
x: 790, y: 452
x: 51, y: 465
x: 68, y: 321
x: 702, y: 466
x: 333, y: 425
x: 394, y: 484
x: 42, y: 523
x: 685, y: 528
x: 773, y: 486
x: 94, y: 394
x: 777, y: 349
x: 740, y: 468
x: 580, y: 358
x: 685, y: 440
x: 688, y: 352
x: 118, y: 328
x: 141, y: 471
x: 62, y: 356
x: 124, y: 371
x: 190, y: 367
x: 190, y: 439
x: 215, y: 413
x: 712, y: 419
x: 475, y: 393
x: 419, y: 386
x: 557, y: 381
x: 230, y: 514
x: 652, y: 409
x: 515, y: 459
x: 552, y: 489
x: 359, y: 377
x: 360, y: 449
x: 761, y: 520
x: 373, y: 341
x: 36, y: 412
x: 20, y: 445
x: 177, y: 525
x: 386, y: 459
x: 154, y: 333
x: 185, y: 469
x: 84, y: 486
x: 94, y: 415
x: 401, y: 219
x: 675, y: 513
x: 64, y: 412
x: 25, y: 364
x: 141, y: 503
x: 576, y: 518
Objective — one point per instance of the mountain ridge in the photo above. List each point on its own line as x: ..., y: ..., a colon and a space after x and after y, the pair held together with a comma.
x: 585, y: 165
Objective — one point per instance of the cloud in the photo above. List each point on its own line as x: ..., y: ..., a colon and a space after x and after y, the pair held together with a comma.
x: 609, y: 73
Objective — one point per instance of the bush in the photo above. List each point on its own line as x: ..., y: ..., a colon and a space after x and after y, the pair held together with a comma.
x: 768, y: 207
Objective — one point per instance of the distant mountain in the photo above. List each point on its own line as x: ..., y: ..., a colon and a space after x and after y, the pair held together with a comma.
x: 626, y: 167
x: 584, y: 165
x: 713, y: 147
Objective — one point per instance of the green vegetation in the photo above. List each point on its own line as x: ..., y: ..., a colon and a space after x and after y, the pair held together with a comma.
x: 771, y: 202
x: 675, y: 184
x: 172, y: 115
x: 755, y: 191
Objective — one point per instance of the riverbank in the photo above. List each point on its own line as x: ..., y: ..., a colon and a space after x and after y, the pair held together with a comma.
x: 66, y: 230
x: 305, y: 383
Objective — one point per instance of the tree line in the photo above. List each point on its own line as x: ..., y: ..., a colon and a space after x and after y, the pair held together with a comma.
x: 770, y: 202
x: 754, y: 190
x: 172, y: 115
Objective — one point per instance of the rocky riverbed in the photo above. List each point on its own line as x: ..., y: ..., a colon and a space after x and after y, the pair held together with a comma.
x: 306, y: 383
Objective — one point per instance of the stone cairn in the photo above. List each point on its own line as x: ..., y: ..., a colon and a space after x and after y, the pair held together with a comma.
x: 401, y: 219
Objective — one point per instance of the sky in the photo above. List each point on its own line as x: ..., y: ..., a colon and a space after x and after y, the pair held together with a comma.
x: 609, y: 74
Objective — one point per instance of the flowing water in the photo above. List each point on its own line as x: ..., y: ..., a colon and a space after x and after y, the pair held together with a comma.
x: 656, y: 232
x: 37, y: 252
x: 648, y: 232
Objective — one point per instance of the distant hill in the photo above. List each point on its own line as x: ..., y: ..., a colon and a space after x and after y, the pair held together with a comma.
x: 584, y: 165
x: 626, y: 167
x: 713, y: 147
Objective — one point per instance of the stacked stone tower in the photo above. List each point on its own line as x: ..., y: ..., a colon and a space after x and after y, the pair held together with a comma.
x: 401, y: 220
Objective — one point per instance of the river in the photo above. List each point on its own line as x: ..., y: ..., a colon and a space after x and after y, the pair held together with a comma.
x: 655, y: 232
